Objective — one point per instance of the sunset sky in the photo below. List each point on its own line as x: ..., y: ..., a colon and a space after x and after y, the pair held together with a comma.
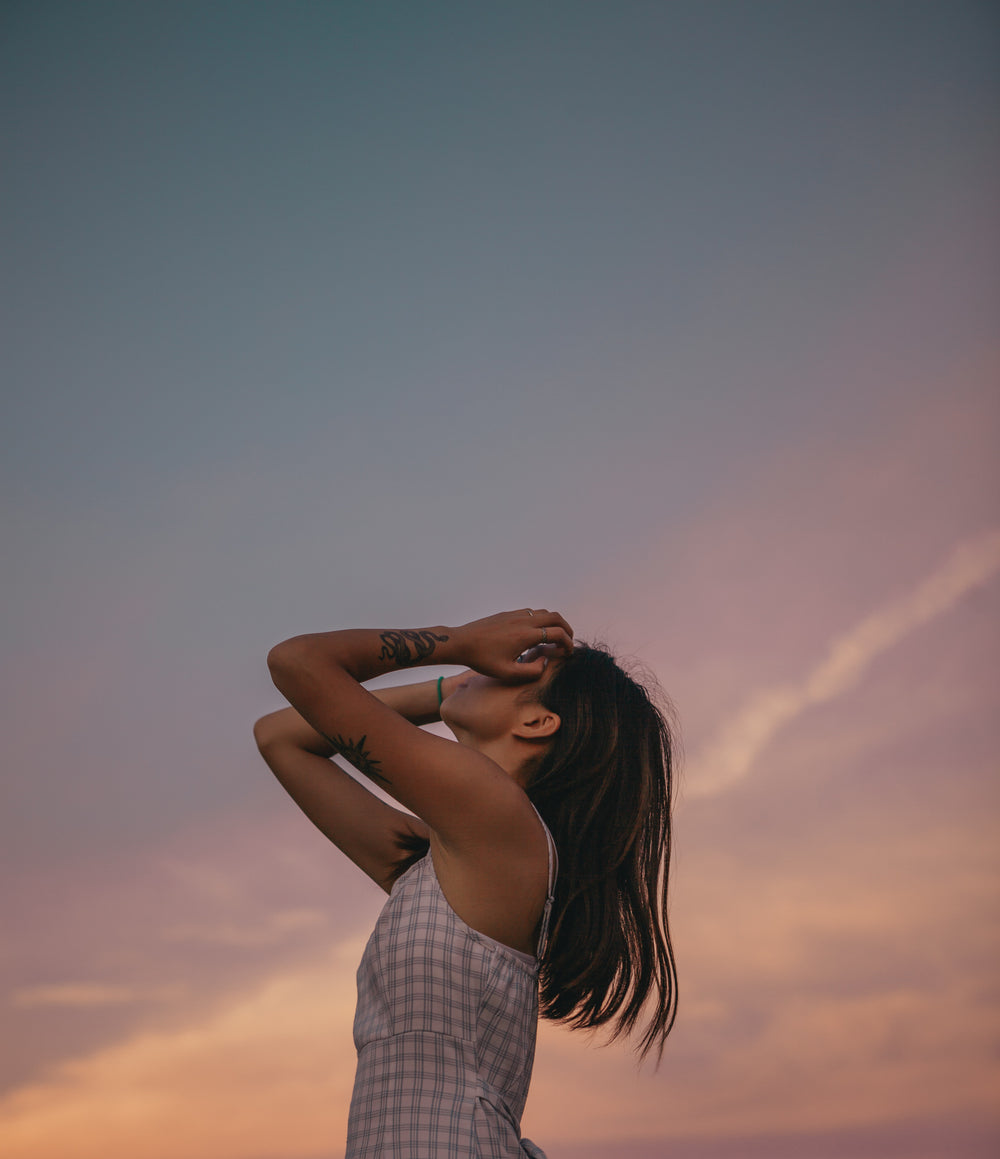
x: 677, y: 317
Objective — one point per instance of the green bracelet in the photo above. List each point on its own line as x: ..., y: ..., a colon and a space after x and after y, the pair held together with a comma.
x: 440, y: 697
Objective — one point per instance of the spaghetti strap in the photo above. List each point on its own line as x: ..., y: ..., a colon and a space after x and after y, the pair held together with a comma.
x: 543, y: 932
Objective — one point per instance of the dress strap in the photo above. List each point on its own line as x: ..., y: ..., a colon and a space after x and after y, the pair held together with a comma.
x: 543, y: 932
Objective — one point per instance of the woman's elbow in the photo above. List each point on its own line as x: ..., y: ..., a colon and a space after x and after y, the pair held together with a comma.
x: 283, y: 662
x: 264, y: 730
x: 280, y: 655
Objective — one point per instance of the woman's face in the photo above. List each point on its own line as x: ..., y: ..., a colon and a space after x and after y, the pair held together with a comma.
x: 484, y: 708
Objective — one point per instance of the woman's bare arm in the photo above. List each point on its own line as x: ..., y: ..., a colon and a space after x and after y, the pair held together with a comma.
x: 364, y: 827
x: 416, y: 702
x: 460, y: 793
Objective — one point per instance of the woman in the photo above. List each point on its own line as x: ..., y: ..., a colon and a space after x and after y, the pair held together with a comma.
x: 558, y: 750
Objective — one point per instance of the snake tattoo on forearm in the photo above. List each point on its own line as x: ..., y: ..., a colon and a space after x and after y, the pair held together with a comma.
x: 396, y: 646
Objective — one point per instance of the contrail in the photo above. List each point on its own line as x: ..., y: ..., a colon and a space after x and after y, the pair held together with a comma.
x: 730, y: 756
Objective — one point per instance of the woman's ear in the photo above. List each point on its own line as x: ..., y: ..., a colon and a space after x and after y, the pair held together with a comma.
x: 536, y: 722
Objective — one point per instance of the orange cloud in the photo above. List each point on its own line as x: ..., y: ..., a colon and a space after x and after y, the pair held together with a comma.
x: 268, y: 1073
x: 831, y: 1000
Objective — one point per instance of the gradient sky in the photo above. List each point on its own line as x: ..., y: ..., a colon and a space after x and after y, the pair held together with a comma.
x: 677, y: 317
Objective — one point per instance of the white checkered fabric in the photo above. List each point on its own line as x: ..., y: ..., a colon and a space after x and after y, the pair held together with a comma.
x: 445, y: 1032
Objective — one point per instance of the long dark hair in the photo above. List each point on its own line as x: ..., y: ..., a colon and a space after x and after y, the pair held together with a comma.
x: 604, y: 788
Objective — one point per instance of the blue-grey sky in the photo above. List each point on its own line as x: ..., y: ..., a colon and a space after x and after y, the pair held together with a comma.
x: 679, y: 317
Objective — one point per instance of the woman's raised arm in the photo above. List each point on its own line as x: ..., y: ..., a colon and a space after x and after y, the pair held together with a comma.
x: 370, y: 832
x: 457, y: 791
x: 418, y: 702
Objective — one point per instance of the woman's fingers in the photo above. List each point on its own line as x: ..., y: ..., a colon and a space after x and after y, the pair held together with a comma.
x: 543, y: 618
x: 531, y: 634
x: 548, y: 632
x: 524, y: 670
x: 556, y: 636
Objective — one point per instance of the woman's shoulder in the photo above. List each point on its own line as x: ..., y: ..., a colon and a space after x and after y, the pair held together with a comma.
x: 499, y: 885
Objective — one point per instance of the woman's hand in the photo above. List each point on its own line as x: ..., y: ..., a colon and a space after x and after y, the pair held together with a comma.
x: 492, y: 645
x: 450, y: 683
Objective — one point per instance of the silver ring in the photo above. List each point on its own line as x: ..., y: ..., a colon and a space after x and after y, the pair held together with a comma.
x: 545, y: 635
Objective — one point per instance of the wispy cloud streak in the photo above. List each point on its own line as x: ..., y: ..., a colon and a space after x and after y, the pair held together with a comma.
x: 730, y: 756
x: 84, y: 995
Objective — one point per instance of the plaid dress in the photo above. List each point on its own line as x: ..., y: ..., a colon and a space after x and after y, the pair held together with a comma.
x: 445, y: 1031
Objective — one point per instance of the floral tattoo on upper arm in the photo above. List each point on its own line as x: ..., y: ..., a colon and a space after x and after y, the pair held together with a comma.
x: 360, y: 757
x: 396, y: 646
